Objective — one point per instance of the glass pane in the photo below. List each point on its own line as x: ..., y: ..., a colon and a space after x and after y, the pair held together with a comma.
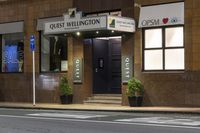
x: 153, y: 38
x: 153, y: 60
x: 45, y: 54
x: 54, y: 54
x: 174, y: 59
x: 12, y: 52
x: 174, y: 37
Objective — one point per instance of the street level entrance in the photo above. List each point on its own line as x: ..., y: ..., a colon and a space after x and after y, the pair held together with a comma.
x: 107, y: 65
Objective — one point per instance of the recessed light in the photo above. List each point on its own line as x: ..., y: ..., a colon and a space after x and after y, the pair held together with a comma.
x: 78, y: 33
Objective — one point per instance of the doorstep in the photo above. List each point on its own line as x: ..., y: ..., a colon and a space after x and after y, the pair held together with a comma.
x: 97, y: 107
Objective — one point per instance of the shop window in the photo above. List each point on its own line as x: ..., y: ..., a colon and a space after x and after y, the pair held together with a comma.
x: 163, y: 49
x: 153, y: 38
x: 12, y: 52
x: 53, y: 53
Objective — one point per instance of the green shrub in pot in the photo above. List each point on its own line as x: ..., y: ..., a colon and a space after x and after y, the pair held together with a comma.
x: 135, y: 91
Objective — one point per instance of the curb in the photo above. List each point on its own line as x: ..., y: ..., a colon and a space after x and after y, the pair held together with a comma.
x: 105, y: 110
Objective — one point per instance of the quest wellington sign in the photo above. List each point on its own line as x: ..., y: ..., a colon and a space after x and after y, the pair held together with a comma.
x: 162, y: 15
x: 76, y: 24
x: 79, y: 23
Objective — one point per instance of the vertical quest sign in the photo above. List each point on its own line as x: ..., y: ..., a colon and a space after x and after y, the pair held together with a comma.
x: 78, y: 70
x: 127, y: 68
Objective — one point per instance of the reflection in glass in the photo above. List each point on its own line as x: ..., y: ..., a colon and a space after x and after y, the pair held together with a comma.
x: 12, y: 52
x: 53, y: 53
x: 153, y: 60
x: 174, y: 59
x: 174, y: 37
x: 153, y: 38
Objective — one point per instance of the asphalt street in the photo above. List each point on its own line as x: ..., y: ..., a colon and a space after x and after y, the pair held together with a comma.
x: 55, y: 121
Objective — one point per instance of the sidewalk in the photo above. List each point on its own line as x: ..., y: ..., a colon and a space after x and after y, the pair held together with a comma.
x: 97, y: 107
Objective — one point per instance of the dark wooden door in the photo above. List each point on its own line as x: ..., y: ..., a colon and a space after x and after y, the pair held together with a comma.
x: 107, y: 66
x: 100, y: 66
x: 114, y: 66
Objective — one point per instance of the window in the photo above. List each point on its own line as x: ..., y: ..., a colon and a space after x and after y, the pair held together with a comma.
x: 163, y: 49
x: 53, y: 53
x: 12, y: 52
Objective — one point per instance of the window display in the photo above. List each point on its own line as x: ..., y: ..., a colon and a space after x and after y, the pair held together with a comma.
x: 12, y: 52
x: 53, y: 53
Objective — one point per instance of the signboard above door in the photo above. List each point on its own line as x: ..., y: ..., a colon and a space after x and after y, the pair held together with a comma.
x: 162, y: 15
x: 75, y: 22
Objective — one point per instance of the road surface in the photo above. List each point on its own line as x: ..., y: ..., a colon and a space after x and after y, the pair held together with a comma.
x: 54, y: 121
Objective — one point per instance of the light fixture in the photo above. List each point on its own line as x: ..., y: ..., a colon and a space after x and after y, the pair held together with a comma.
x: 97, y: 32
x: 107, y: 38
x: 113, y: 31
x: 78, y: 33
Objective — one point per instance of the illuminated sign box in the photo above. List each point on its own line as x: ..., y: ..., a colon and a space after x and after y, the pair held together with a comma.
x: 92, y: 23
x: 162, y: 15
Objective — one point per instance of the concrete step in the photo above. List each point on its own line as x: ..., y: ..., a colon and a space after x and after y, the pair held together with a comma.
x: 109, y: 95
x: 113, y: 99
x: 104, y: 98
x: 102, y: 102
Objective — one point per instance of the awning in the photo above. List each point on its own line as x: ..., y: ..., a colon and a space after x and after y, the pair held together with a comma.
x: 162, y: 15
x: 13, y: 27
x: 88, y: 24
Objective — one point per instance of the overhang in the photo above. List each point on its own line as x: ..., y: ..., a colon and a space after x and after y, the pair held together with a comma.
x: 89, y: 25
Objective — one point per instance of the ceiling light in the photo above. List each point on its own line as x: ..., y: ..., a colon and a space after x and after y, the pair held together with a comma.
x: 78, y: 33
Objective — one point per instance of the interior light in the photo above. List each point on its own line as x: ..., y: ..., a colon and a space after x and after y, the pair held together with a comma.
x: 113, y: 31
x: 97, y: 32
x: 78, y: 33
x: 107, y: 38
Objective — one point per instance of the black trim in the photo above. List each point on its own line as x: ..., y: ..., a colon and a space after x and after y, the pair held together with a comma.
x: 40, y: 44
x: 163, y: 47
x: 50, y: 17
x: 99, y: 12
x: 12, y: 22
x: 164, y: 3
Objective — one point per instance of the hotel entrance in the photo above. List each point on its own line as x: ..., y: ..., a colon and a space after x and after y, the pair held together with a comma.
x: 94, y: 51
x: 107, y: 65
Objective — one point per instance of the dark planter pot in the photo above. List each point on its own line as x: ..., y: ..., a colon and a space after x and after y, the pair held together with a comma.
x: 135, y: 101
x: 66, y: 99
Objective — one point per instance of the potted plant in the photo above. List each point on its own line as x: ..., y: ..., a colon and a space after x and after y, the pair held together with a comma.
x: 135, y: 92
x: 66, y: 91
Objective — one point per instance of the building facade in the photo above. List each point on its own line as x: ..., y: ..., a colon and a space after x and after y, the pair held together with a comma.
x: 164, y: 57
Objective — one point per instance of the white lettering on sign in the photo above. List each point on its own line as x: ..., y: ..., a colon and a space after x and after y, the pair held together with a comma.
x: 77, y: 68
x: 127, y: 68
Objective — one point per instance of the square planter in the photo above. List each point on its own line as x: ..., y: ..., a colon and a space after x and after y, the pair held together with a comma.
x: 66, y: 99
x: 135, y: 101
